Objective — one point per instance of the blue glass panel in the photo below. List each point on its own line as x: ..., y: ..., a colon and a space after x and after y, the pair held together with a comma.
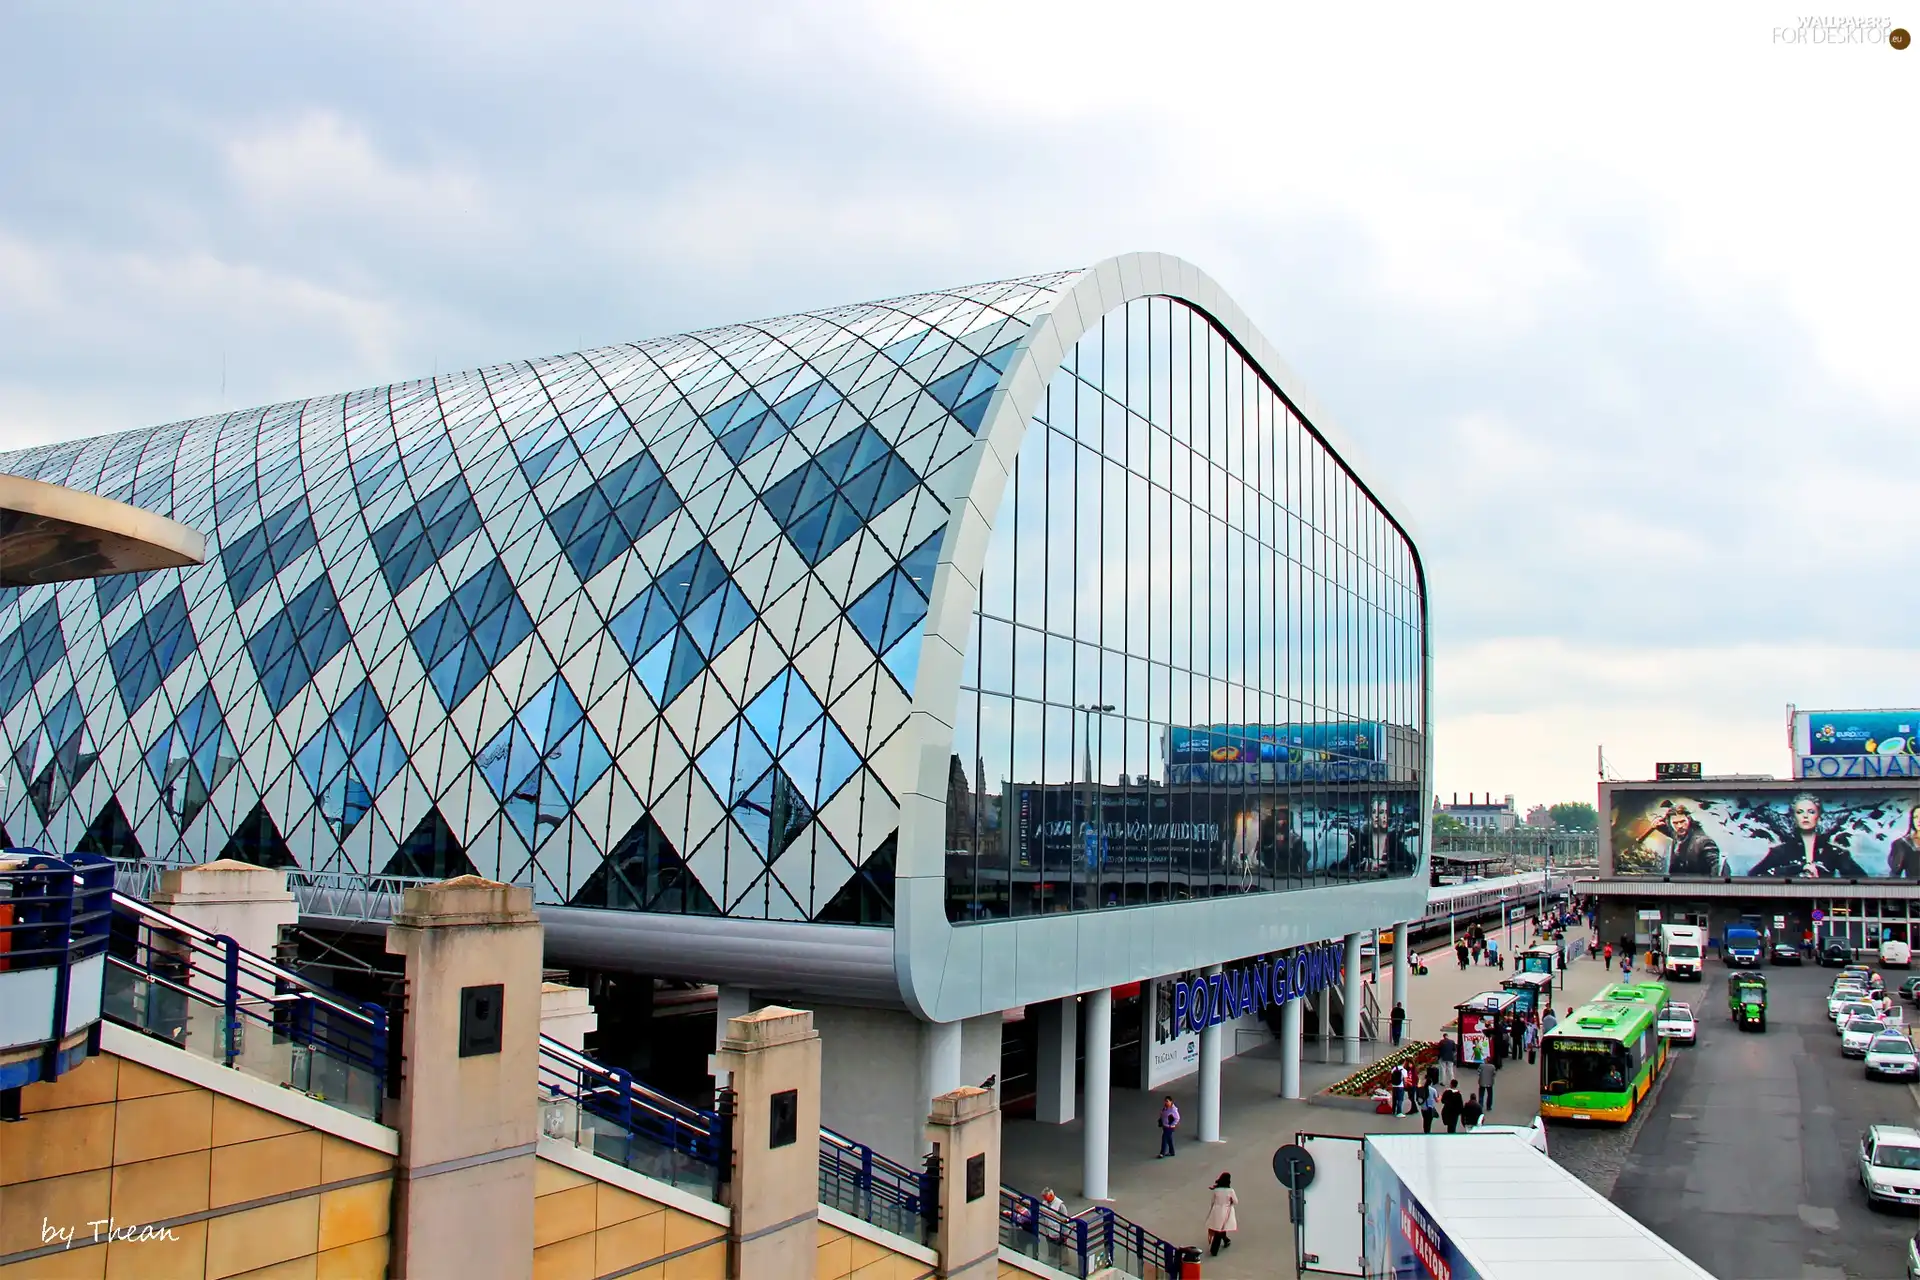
x: 903, y: 660
x: 971, y: 413
x: 28, y: 653
x: 772, y: 813
x: 650, y: 669
x: 686, y: 665
x: 920, y: 562
x: 150, y: 649
x: 641, y: 624
x: 783, y: 710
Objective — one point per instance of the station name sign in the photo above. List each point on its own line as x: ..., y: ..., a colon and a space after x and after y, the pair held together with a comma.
x: 1256, y: 985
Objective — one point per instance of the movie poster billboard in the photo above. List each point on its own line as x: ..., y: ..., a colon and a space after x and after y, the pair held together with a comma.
x: 1810, y: 833
x: 1856, y: 744
x: 1246, y: 837
x: 1272, y: 754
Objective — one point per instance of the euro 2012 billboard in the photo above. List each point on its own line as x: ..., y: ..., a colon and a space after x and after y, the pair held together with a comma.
x: 1806, y: 833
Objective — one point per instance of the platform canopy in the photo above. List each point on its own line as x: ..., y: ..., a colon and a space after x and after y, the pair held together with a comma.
x: 50, y: 533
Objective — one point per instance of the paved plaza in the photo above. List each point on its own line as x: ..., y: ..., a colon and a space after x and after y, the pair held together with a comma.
x: 1169, y: 1197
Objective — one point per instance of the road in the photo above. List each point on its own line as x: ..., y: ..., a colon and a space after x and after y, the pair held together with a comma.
x: 1747, y: 1161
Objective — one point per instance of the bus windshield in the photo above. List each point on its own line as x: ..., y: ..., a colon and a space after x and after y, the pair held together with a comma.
x: 1684, y: 951
x: 1583, y: 1066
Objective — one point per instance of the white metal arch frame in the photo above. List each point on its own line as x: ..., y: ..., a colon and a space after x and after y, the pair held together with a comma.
x: 949, y: 971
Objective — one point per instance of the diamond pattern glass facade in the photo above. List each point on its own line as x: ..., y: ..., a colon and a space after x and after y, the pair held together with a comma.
x: 638, y: 626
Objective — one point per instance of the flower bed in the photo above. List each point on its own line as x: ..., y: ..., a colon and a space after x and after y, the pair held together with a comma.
x: 1415, y: 1055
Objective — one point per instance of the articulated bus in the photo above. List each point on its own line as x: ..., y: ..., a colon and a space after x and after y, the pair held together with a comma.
x: 1600, y: 1062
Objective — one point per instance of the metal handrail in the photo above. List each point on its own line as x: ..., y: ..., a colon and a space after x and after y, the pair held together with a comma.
x: 606, y: 1111
x: 857, y: 1180
x: 1085, y: 1242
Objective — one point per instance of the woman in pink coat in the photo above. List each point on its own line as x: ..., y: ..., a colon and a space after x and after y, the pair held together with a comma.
x: 1222, y: 1221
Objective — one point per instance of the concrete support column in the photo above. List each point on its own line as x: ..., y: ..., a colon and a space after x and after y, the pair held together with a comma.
x: 463, y: 1199
x: 940, y: 1044
x: 772, y: 1055
x: 1097, y: 1096
x: 1059, y: 1036
x: 1326, y: 1019
x: 729, y: 1003
x: 247, y: 903
x: 1290, y: 1021
x: 1402, y: 961
x: 1210, y: 1077
x: 567, y: 1015
x: 1374, y: 966
x: 1355, y: 1001
x: 964, y: 1128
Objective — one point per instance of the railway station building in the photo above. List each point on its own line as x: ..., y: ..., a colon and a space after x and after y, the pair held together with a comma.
x: 984, y: 670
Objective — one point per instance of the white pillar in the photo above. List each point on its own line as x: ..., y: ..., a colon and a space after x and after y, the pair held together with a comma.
x: 1099, y: 1088
x: 1350, y: 1033
x: 1375, y: 966
x: 1210, y: 1078
x: 729, y: 1003
x: 1059, y: 1034
x: 1290, y: 1047
x: 939, y: 1060
x: 1402, y: 961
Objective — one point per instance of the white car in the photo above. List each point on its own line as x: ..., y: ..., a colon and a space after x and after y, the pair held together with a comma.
x: 1891, y: 1057
x: 1676, y: 1023
x: 1858, y: 1034
x: 1890, y: 1164
x: 1850, y: 1012
x: 1843, y: 995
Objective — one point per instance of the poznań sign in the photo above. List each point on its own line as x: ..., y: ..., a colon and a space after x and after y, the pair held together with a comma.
x: 1256, y: 985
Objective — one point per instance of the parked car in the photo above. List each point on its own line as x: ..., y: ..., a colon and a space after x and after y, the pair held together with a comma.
x: 1844, y: 995
x: 1853, y: 1011
x: 1890, y: 1165
x: 1676, y: 1023
x: 1891, y: 1057
x: 1857, y: 1034
x: 1785, y: 953
x: 1910, y: 987
x: 1835, y: 951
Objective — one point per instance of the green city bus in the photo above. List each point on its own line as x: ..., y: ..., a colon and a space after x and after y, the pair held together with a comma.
x: 1600, y: 1062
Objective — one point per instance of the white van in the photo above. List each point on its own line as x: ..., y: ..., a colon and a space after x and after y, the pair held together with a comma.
x: 1682, y: 950
x: 1895, y: 954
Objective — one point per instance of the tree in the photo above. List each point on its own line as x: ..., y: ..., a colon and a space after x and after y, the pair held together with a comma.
x: 1445, y: 824
x: 1575, y: 815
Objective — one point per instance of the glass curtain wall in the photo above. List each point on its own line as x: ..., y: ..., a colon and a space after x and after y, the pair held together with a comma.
x: 1195, y: 668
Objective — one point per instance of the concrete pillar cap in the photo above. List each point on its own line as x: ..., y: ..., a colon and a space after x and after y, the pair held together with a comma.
x: 465, y: 900
x: 961, y: 1105
x: 768, y: 1026
x: 225, y: 880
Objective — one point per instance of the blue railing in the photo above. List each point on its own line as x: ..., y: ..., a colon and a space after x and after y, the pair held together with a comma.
x: 857, y: 1180
x: 605, y: 1111
x: 1083, y: 1243
x: 205, y: 993
x: 54, y: 914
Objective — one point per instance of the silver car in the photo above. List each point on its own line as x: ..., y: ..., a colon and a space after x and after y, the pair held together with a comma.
x: 1890, y: 1165
x: 1891, y: 1057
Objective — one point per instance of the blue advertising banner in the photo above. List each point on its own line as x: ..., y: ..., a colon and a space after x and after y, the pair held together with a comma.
x: 1857, y: 744
x: 1402, y: 1240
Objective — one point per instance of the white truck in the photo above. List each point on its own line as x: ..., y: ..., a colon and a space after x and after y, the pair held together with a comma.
x: 1682, y: 949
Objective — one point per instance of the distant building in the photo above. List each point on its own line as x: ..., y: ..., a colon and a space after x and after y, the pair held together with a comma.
x: 1482, y: 815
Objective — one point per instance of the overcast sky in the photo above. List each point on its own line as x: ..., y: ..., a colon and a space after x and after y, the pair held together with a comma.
x: 1623, y: 316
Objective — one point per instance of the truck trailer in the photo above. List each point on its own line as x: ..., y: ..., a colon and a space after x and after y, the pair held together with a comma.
x: 1683, y: 949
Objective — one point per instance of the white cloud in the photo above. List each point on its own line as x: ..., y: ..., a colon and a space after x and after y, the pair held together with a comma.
x: 320, y: 164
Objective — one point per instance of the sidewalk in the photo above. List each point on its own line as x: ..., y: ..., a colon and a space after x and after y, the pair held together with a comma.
x: 1169, y: 1197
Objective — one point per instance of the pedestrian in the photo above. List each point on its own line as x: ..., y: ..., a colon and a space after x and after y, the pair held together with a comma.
x: 1470, y: 1113
x: 1429, y: 1104
x: 1549, y: 1022
x: 1169, y: 1121
x: 1397, y: 1021
x: 1447, y: 1052
x: 1222, y: 1221
x: 1450, y: 1104
x: 1607, y: 956
x: 1399, y: 1086
x: 1460, y: 953
x: 1533, y: 1040
x: 1486, y: 1085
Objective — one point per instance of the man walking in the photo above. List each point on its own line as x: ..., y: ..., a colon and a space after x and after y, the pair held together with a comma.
x: 1470, y: 1113
x: 1486, y: 1084
x: 1399, y: 1086
x: 1460, y: 953
x: 1429, y: 1104
x: 1447, y: 1052
x: 1169, y: 1121
x: 1396, y: 1021
x: 1532, y: 1036
x: 1450, y: 1105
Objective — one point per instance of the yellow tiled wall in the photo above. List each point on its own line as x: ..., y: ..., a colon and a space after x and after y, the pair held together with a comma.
x: 114, y: 1139
x: 583, y: 1229
x: 847, y: 1257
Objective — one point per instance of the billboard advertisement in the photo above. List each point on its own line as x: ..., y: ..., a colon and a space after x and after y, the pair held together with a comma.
x: 1403, y: 1242
x: 1856, y: 744
x: 1807, y: 834
x: 1240, y: 754
x: 1246, y: 836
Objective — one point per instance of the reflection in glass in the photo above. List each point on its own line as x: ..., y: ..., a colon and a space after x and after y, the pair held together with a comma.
x: 1196, y: 665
